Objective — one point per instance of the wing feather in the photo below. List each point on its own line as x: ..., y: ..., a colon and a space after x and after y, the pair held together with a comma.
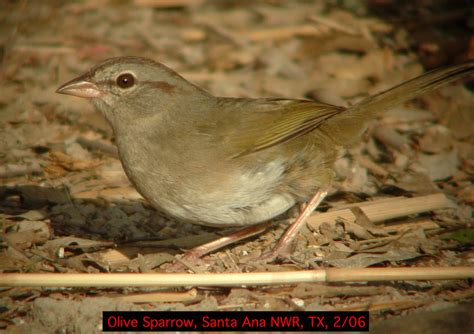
x: 278, y: 121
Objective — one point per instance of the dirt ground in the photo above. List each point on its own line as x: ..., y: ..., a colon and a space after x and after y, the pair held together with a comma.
x: 66, y: 205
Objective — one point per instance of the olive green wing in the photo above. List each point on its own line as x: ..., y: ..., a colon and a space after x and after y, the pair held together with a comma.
x: 263, y: 123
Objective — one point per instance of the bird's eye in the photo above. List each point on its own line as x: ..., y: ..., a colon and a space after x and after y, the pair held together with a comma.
x: 125, y: 80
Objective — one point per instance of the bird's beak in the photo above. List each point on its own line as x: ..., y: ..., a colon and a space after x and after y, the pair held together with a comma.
x: 80, y: 87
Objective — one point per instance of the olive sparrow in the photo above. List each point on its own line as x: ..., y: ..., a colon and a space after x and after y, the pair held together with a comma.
x: 221, y: 161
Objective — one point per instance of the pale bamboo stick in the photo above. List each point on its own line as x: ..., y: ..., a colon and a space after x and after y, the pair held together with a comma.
x: 232, y: 279
x: 378, y: 211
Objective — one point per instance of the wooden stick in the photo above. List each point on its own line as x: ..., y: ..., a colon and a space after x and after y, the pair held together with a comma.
x: 378, y: 211
x: 19, y: 171
x: 118, y: 193
x: 232, y: 279
x: 287, y: 32
x: 98, y: 146
x: 166, y: 3
x: 338, y: 26
x: 392, y: 138
x: 423, y: 223
x: 43, y: 49
x: 372, y: 166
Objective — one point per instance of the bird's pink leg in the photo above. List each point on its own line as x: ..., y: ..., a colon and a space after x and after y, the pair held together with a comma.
x: 193, y: 254
x: 283, y: 247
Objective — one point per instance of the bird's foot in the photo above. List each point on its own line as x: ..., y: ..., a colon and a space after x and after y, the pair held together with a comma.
x: 283, y: 248
x: 191, y: 257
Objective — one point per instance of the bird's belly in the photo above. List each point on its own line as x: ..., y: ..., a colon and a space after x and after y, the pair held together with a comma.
x: 215, y: 198
x: 222, y: 215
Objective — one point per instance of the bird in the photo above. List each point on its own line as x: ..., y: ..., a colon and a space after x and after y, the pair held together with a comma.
x: 225, y: 161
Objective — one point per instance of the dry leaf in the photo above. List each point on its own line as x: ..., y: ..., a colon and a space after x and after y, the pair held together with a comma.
x: 26, y: 233
x: 440, y: 166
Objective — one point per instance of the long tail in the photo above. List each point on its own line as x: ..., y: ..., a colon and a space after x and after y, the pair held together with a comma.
x: 410, y: 89
x: 348, y: 125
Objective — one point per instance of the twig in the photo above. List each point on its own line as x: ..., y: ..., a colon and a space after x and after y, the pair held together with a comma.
x: 19, y: 171
x: 98, y: 146
x: 233, y: 279
x: 372, y: 166
x: 425, y: 224
x: 392, y: 138
x: 43, y: 49
x: 333, y: 25
x: 378, y: 211
x: 167, y: 3
x: 119, y: 193
x: 282, y: 33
